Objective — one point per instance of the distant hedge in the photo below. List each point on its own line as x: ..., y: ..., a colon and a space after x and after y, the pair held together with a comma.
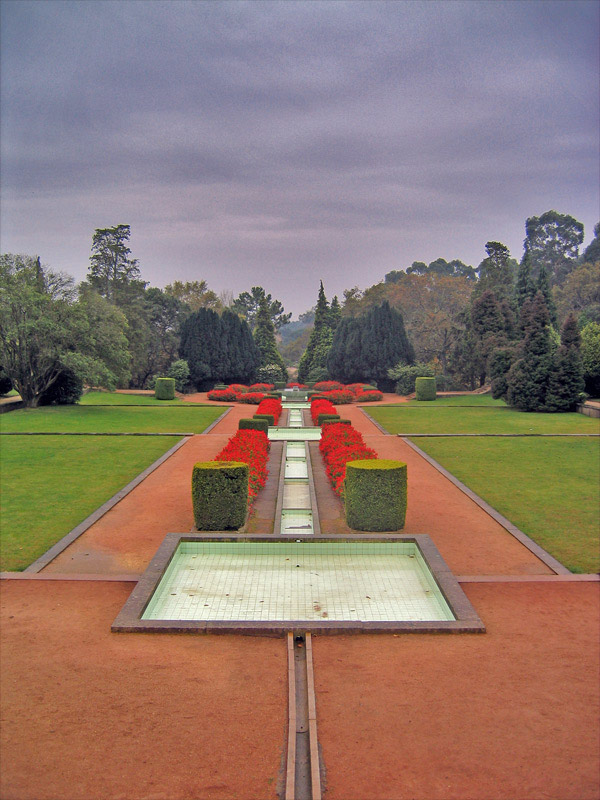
x: 253, y: 424
x: 220, y: 495
x: 164, y: 389
x: 425, y: 388
x: 375, y: 495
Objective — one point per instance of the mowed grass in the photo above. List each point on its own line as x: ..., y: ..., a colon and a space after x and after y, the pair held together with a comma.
x: 547, y: 487
x: 50, y: 484
x: 116, y: 399
x: 116, y: 419
x: 475, y: 400
x: 446, y: 418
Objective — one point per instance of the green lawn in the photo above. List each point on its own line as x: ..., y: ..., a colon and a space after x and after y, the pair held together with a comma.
x: 431, y: 418
x: 114, y: 399
x: 117, y: 419
x: 458, y: 400
x: 50, y: 484
x: 547, y: 487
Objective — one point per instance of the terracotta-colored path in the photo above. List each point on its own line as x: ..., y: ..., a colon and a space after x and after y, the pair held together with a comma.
x: 88, y: 714
x: 508, y: 715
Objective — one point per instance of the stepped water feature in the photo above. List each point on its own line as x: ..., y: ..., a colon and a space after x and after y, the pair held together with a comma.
x: 296, y: 513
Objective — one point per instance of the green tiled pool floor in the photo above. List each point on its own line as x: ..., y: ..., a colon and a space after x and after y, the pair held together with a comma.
x: 292, y: 581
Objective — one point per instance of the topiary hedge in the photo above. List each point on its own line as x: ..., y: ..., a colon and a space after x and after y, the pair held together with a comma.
x: 375, y: 495
x: 164, y: 389
x: 425, y: 388
x: 253, y: 424
x: 322, y: 417
x: 268, y: 417
x: 333, y: 419
x: 219, y: 495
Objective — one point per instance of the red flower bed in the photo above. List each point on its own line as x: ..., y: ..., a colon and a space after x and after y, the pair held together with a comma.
x: 262, y: 387
x: 270, y: 405
x: 321, y: 407
x: 339, y: 396
x: 327, y: 386
x: 252, y: 448
x: 227, y: 395
x: 369, y: 396
x: 340, y: 444
x: 240, y: 388
x: 296, y: 386
x: 252, y: 398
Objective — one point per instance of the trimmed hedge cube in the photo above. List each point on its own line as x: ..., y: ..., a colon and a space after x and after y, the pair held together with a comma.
x: 332, y: 421
x: 269, y: 417
x: 253, y: 424
x: 164, y: 389
x: 219, y: 495
x: 322, y: 417
x: 375, y: 495
x: 425, y: 388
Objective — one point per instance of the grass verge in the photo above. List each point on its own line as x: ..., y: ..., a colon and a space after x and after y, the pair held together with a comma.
x: 474, y: 400
x: 51, y: 484
x: 116, y: 399
x: 547, y: 487
x: 424, y: 418
x: 117, y: 419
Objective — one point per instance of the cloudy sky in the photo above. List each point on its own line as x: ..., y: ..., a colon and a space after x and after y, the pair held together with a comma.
x: 277, y: 143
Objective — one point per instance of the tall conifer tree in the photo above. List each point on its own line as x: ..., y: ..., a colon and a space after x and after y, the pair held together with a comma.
x: 264, y: 336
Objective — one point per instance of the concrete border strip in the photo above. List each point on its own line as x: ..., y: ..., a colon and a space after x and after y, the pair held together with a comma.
x: 290, y: 778
x: 525, y: 540
x: 315, y: 770
x: 56, y: 549
x: 67, y: 576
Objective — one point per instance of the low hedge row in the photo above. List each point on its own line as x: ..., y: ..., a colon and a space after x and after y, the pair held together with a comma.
x: 253, y: 424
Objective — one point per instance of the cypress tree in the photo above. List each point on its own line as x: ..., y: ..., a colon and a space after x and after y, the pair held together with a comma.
x: 264, y: 337
x: 529, y: 376
x: 566, y: 380
x: 312, y: 366
x: 543, y: 286
x: 365, y: 347
x: 525, y: 288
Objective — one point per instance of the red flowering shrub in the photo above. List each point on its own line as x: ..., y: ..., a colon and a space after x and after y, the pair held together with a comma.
x: 296, y: 386
x: 339, y: 444
x: 327, y: 386
x: 339, y: 396
x: 240, y: 388
x: 355, y: 388
x: 262, y: 387
x: 252, y: 398
x: 321, y: 407
x: 270, y: 405
x: 227, y: 395
x: 369, y: 396
x: 251, y: 447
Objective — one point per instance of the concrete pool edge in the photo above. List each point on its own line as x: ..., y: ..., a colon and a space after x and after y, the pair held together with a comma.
x: 129, y: 619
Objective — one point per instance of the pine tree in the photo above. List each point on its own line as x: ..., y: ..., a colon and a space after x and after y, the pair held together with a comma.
x: 566, y: 380
x: 525, y: 288
x: 264, y: 336
x: 312, y: 365
x: 529, y: 376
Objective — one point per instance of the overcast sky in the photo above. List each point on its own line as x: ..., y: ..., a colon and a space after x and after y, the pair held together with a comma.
x: 277, y: 143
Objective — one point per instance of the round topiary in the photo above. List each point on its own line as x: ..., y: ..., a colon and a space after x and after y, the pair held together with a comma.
x: 164, y: 389
x: 375, y: 495
x: 425, y: 388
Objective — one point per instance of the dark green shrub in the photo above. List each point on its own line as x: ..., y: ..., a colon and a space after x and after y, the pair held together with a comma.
x: 180, y: 372
x: 5, y: 382
x: 164, y: 389
x: 251, y: 423
x: 268, y: 417
x: 66, y: 390
x: 276, y: 395
x: 425, y: 388
x: 280, y: 385
x: 219, y: 495
x: 333, y: 420
x: 332, y: 417
x: 375, y: 495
